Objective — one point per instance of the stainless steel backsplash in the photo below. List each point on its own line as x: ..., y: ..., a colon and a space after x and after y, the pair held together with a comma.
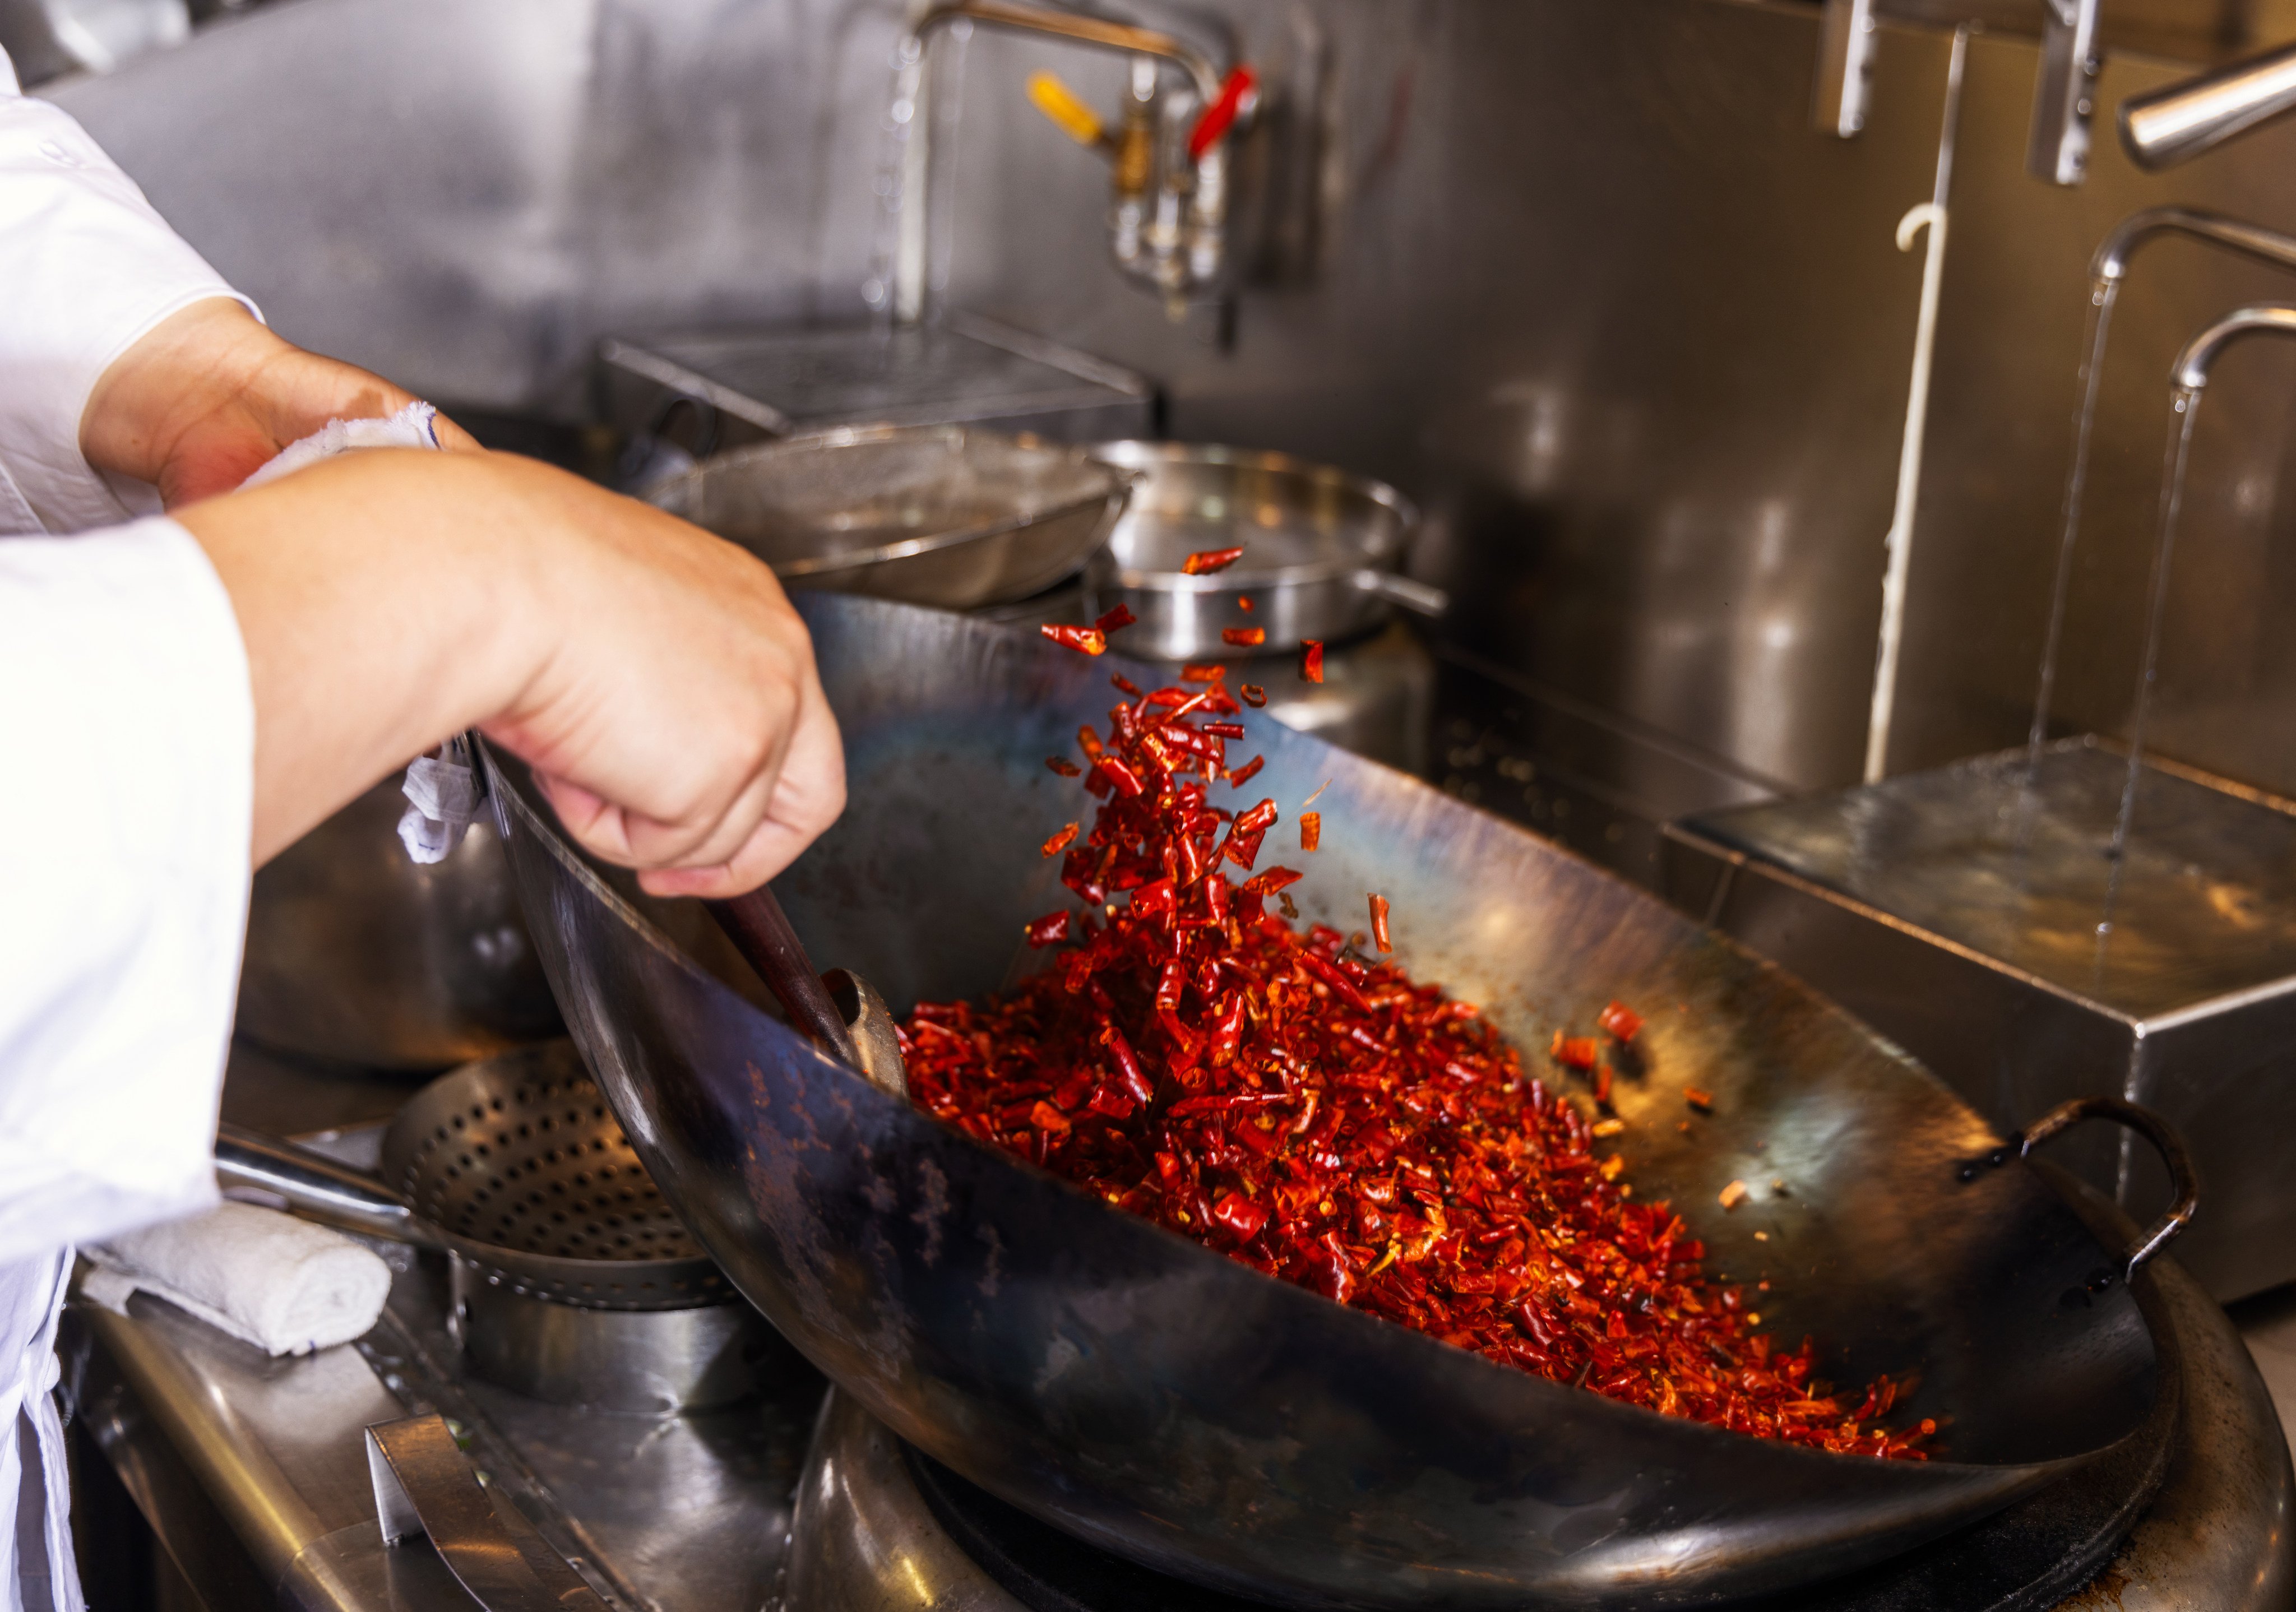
x: 1576, y: 275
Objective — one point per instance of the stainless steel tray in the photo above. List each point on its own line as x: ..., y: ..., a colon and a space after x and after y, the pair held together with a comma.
x: 1958, y: 911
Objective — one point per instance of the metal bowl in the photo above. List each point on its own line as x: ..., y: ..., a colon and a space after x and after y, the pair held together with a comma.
x: 1320, y: 550
x: 356, y: 954
x: 938, y: 515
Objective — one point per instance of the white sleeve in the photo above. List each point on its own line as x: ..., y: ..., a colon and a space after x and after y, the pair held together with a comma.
x: 89, y: 267
x: 127, y: 784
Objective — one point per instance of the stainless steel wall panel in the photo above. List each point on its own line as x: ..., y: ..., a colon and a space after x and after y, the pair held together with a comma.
x: 1592, y: 289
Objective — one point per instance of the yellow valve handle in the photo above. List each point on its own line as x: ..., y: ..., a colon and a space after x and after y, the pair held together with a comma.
x: 1059, y: 102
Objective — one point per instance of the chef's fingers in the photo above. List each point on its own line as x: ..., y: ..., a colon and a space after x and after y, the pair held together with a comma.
x: 453, y: 438
x: 806, y: 796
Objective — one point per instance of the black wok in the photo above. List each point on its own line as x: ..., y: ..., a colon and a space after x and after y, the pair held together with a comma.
x: 1181, y: 1410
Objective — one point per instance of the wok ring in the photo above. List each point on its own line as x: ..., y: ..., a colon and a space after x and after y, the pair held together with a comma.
x: 1180, y: 1410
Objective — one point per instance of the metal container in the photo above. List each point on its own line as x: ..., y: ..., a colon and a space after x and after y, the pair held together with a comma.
x: 948, y: 516
x: 1320, y: 552
x: 752, y: 382
x: 1182, y: 1410
x: 1958, y: 911
x: 357, y: 954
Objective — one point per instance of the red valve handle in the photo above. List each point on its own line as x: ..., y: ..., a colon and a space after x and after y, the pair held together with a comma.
x: 1220, y: 116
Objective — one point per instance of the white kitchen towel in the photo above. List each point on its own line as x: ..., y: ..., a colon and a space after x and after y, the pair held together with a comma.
x: 414, y: 426
x: 284, y: 1285
x: 442, y: 794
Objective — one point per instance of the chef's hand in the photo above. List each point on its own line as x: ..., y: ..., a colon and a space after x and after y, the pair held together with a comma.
x: 209, y: 396
x: 654, y: 676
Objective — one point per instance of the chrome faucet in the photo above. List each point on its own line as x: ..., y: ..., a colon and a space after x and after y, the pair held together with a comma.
x: 2181, y: 120
x: 2110, y: 265
x: 2201, y: 352
x: 1168, y: 171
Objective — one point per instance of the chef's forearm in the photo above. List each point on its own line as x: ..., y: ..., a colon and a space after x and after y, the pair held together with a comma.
x: 207, y: 396
x: 379, y: 601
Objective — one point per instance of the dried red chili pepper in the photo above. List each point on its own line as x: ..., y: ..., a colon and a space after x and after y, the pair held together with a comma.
x: 1120, y: 681
x: 1253, y: 694
x: 1244, y: 638
x: 1203, y: 673
x: 1203, y: 562
x: 1311, y: 659
x: 1198, y: 1061
x: 1243, y: 603
x: 1119, y: 772
x: 1050, y: 930
x: 1311, y: 831
x: 1059, y: 841
x: 1620, y: 1021
x: 1378, y: 923
x: 1249, y: 771
x: 1062, y: 765
x: 1121, y: 617
x: 1089, y: 640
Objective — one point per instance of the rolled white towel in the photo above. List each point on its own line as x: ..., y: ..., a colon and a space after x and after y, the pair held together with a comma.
x: 282, y: 1284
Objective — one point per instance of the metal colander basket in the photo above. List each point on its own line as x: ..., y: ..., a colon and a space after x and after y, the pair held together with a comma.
x: 520, y: 1161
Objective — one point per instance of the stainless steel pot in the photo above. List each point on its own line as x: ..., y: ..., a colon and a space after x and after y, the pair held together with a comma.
x: 355, y: 952
x: 1320, y: 552
x: 948, y: 516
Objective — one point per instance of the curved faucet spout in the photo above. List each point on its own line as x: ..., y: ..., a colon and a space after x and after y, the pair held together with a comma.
x: 1084, y: 31
x: 2113, y: 253
x: 2201, y: 352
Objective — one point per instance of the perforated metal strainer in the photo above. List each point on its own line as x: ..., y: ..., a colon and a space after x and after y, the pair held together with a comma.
x: 518, y: 1162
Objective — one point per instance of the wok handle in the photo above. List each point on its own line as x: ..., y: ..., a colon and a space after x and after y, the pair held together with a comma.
x: 2155, y: 1130
x: 760, y: 931
x: 315, y: 1186
x: 1420, y: 597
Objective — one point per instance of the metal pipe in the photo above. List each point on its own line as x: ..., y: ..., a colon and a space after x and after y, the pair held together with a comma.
x: 2201, y: 352
x: 2181, y: 120
x: 2110, y: 263
x: 1084, y: 31
x: 2064, y: 95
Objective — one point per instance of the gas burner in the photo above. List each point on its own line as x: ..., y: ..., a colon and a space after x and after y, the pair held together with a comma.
x: 2187, y: 1514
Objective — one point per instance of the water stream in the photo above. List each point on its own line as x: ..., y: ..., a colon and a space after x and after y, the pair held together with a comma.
x: 2103, y: 292
x: 2186, y: 404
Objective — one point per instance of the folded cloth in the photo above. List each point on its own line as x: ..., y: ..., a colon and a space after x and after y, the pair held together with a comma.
x: 414, y: 426
x: 282, y: 1284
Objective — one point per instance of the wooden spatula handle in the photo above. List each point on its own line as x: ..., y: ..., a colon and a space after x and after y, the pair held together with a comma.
x: 760, y: 931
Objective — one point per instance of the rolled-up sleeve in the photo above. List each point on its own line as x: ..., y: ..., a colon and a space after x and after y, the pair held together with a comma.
x: 127, y: 752
x: 89, y: 268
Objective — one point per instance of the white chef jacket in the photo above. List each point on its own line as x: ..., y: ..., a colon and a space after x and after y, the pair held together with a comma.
x: 127, y: 750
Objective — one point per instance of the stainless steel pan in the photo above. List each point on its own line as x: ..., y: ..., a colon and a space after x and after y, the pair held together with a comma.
x: 1179, y: 1408
x: 950, y: 516
x: 1320, y: 552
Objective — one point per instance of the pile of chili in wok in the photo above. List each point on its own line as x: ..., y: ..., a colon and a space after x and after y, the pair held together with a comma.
x: 1313, y: 1112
